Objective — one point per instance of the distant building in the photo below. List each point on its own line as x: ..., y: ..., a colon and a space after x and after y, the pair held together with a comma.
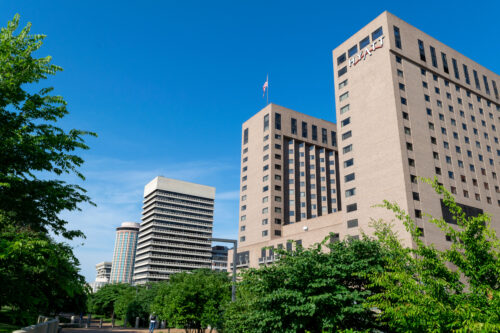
x: 177, y: 221
x: 219, y: 258
x: 124, y: 253
x: 103, y: 270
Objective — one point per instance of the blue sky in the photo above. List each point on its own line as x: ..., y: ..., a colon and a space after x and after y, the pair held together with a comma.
x: 167, y: 84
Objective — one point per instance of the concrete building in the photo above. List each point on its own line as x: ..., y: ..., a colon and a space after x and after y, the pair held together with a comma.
x: 407, y: 106
x: 288, y: 182
x: 410, y: 106
x: 177, y: 221
x: 124, y: 253
x: 219, y: 258
x: 103, y: 270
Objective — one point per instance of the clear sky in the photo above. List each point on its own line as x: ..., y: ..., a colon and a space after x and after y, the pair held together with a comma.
x: 167, y: 84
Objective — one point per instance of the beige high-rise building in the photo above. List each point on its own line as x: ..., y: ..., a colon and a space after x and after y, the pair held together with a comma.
x: 407, y: 106
x: 177, y: 222
x: 288, y: 182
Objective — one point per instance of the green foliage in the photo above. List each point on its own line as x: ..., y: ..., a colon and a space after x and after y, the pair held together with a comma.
x: 193, y: 299
x: 38, y: 276
x: 103, y: 301
x: 31, y: 146
x: 309, y: 290
x: 419, y: 292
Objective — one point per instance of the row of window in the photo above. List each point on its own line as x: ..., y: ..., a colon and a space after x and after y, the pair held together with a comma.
x: 445, y: 65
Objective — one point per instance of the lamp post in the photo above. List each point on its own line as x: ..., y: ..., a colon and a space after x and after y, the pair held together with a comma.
x: 234, y: 242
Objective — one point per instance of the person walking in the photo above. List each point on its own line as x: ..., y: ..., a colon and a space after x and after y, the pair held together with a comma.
x: 152, y: 322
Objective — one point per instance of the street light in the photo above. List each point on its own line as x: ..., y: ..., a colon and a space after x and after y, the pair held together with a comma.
x: 234, y: 242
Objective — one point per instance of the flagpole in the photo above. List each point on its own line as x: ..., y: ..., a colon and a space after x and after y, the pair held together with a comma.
x: 267, y: 90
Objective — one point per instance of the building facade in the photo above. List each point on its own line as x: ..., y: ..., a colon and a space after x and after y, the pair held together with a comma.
x: 288, y: 177
x: 177, y: 222
x: 407, y: 106
x: 124, y: 253
x: 410, y: 106
x: 103, y: 271
x: 219, y: 258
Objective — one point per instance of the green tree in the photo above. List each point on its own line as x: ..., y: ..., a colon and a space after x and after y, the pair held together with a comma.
x: 38, y: 276
x: 308, y: 290
x: 32, y: 148
x: 103, y: 302
x: 193, y: 300
x: 36, y: 273
x: 418, y: 290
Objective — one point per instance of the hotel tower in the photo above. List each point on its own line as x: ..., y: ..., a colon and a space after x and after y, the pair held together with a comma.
x: 177, y: 221
x: 407, y: 106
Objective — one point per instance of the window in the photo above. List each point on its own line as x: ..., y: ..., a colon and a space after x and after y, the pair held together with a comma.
x: 364, y: 42
x: 407, y: 130
x: 264, y: 221
x: 342, y: 71
x: 343, y: 83
x: 242, y: 228
x: 424, y: 84
x: 352, y: 51
x: 341, y: 59
x: 277, y: 121
x: 264, y: 233
x: 243, y: 217
x: 294, y: 126
x: 346, y: 135
x: 451, y: 175
x: 377, y: 33
x: 265, y: 188
x: 324, y: 136
x: 345, y: 122
x: 351, y: 208
x: 400, y: 73
x: 421, y: 50
x: 402, y: 86
x: 416, y: 196
x: 405, y: 115
x: 347, y: 149
x: 344, y: 96
x: 242, y: 238
x: 455, y: 69
x: 266, y: 122
x: 409, y: 146
x: 399, y: 60
x: 304, y: 129
x: 348, y: 163
x: 349, y: 177
x: 445, y: 63
x: 265, y: 210
x: 344, y: 109
x: 350, y: 192
x: 277, y: 221
x: 265, y: 199
x: 403, y: 100
x: 245, y: 136
x: 433, y: 57
x: 476, y: 79
x: 397, y: 37
x: 352, y: 223
x: 277, y: 232
x: 486, y: 85
x: 466, y: 74
x: 411, y: 162
x: 315, y: 132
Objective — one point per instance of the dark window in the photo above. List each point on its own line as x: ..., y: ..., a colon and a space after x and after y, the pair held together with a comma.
x: 349, y: 177
x: 445, y: 63
x: 455, y: 68
x: 486, y: 85
x: 266, y: 122
x: 245, y: 136
x: 345, y: 122
x: 364, y: 42
x: 495, y: 90
x: 294, y: 126
x: 346, y: 135
x: 468, y: 210
x: 315, y: 132
x: 304, y: 129
x: 352, y: 51
x: 342, y: 71
x: 351, y: 208
x: 352, y: 223
x: 348, y: 163
x: 466, y: 74
x: 433, y: 57
x: 277, y: 121
x: 397, y: 37
x: 476, y: 79
x: 334, y: 238
x: 421, y: 50
x: 377, y: 33
x: 289, y: 246
x: 416, y: 196
x: 341, y: 59
x: 334, y: 138
x: 324, y: 136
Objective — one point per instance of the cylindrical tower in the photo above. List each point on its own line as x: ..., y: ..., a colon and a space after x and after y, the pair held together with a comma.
x: 124, y: 254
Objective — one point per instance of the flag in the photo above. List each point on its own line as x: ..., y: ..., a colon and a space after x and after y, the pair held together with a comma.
x: 265, y: 86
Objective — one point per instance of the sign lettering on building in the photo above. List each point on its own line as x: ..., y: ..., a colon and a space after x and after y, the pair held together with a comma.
x: 376, y: 44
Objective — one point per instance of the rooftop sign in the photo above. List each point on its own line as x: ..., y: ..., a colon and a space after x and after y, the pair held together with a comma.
x: 376, y: 44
